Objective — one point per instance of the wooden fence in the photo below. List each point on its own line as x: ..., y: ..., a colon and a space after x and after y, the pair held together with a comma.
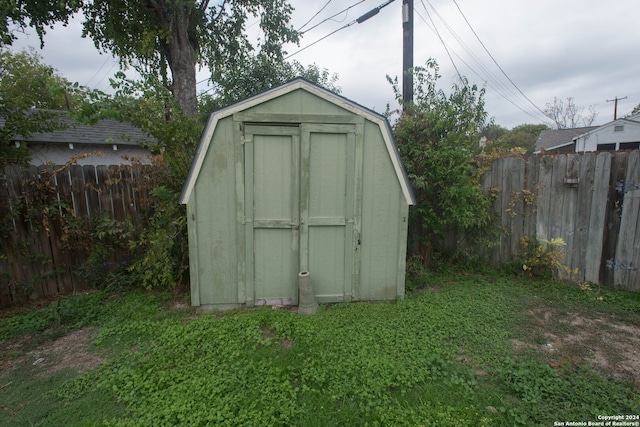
x: 46, y: 215
x: 590, y: 200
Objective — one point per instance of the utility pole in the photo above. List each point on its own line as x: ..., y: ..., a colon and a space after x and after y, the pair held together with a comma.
x: 615, y: 106
x: 407, y: 50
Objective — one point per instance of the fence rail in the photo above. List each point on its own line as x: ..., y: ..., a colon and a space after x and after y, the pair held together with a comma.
x: 46, y: 212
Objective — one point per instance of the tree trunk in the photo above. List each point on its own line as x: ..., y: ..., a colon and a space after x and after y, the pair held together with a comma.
x: 180, y: 54
x: 183, y: 70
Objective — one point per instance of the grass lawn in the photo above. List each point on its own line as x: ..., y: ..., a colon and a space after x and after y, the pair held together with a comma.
x: 465, y: 349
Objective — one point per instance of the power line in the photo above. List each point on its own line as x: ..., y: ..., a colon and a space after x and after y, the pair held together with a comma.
x: 494, y: 60
x: 503, y: 90
x: 316, y: 14
x: 440, y: 37
x: 358, y: 20
x: 331, y: 17
x: 99, y: 69
x: 319, y: 40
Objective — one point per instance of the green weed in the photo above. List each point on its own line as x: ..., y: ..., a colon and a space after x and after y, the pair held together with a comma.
x: 441, y: 357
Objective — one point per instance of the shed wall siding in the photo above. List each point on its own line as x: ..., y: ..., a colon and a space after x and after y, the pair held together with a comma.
x: 298, y: 101
x: 217, y: 240
x: 382, y: 225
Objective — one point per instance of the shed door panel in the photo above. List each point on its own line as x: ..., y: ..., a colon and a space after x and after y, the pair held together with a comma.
x: 271, y: 212
x: 299, y: 211
x: 326, y: 234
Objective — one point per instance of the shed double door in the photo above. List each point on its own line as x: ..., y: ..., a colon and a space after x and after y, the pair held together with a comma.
x: 299, y: 211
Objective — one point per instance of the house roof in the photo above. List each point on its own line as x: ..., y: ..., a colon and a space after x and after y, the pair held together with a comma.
x: 293, y: 85
x: 630, y: 120
x: 103, y: 132
x: 549, y: 139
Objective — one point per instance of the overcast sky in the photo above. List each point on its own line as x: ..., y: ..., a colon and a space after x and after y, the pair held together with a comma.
x: 585, y: 49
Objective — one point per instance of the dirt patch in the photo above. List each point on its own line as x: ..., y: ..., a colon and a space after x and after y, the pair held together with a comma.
x: 68, y: 352
x: 572, y: 339
x: 268, y: 334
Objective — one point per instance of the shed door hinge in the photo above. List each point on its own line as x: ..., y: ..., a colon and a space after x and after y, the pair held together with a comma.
x: 624, y: 187
x: 616, y: 264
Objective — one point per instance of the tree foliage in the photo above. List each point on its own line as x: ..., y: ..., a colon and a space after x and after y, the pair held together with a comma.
x: 20, y: 14
x: 25, y: 84
x: 523, y: 136
x: 569, y: 115
x: 493, y: 131
x: 159, y: 34
x: 181, y: 35
x: 438, y: 136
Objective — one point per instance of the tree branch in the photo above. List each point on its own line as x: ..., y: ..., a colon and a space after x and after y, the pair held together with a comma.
x: 222, y: 6
x: 202, y: 6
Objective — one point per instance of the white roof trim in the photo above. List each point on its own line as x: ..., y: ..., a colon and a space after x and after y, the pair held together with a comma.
x: 608, y: 125
x: 293, y: 85
x: 555, y: 147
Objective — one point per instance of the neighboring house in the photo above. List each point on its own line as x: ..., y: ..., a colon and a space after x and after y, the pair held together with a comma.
x: 620, y: 134
x: 108, y: 142
x: 560, y: 140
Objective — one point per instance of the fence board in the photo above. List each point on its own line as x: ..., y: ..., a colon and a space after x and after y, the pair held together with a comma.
x: 612, y: 218
x: 505, y: 198
x: 626, y: 254
x: 633, y: 282
x: 570, y: 196
x: 61, y: 258
x: 117, y: 193
x: 79, y: 195
x: 7, y: 233
x: 531, y: 178
x: 104, y: 189
x: 91, y: 190
x: 15, y: 266
x: 32, y: 244
x: 596, y: 228
x: 544, y: 198
x: 516, y: 178
x: 496, y: 182
x: 581, y: 234
x: 556, y: 205
x: 41, y: 185
x: 483, y: 251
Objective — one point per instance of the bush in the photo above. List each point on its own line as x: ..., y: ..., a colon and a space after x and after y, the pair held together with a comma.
x: 542, y: 258
x: 438, y: 137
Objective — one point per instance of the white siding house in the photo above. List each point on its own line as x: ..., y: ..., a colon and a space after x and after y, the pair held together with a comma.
x: 621, y: 134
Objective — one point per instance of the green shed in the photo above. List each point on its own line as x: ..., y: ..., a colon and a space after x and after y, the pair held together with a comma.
x: 296, y: 179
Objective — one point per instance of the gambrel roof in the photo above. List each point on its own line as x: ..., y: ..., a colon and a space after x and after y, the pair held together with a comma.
x: 291, y: 86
